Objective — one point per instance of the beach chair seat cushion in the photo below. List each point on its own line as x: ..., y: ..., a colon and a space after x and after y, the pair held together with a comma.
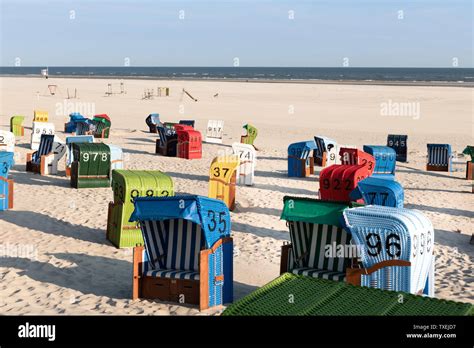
x: 172, y: 274
x: 320, y: 273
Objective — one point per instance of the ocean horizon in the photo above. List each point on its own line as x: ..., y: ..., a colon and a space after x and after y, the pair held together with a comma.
x: 454, y: 74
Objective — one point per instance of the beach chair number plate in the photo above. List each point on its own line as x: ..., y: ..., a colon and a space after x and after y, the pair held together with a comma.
x: 86, y: 157
x: 214, y: 223
x: 217, y: 172
x: 337, y: 184
x: 392, y: 241
x: 5, y: 168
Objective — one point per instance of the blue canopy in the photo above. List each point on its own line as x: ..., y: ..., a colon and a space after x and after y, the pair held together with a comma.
x: 212, y: 214
x: 76, y: 117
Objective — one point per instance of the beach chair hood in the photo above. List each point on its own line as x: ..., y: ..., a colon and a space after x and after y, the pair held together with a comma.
x: 212, y: 214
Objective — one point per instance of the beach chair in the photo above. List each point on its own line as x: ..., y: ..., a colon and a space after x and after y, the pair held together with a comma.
x: 439, y: 158
x: 116, y: 157
x: 188, y: 252
x: 83, y: 128
x: 222, y: 179
x: 250, y: 136
x: 91, y: 165
x: 167, y: 143
x: 353, y: 156
x: 385, y: 161
x: 153, y: 121
x: 128, y: 185
x: 74, y: 119
x: 40, y: 128
x: 214, y: 131
x: 248, y: 160
x: 187, y: 122
x: 400, y: 144
x: 469, y: 151
x: 7, y: 161
x: 338, y: 181
x: 300, y: 161
x: 100, y: 126
x: 7, y: 141
x: 325, y: 151
x: 376, y: 191
x: 16, y: 125
x: 315, y: 234
x: 189, y: 144
x: 400, y: 238
x: 40, y: 116
x: 69, y: 154
x: 45, y: 160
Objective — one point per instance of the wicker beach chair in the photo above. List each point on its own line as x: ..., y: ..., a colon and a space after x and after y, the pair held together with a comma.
x: 91, y: 165
x: 300, y: 161
x: 188, y: 252
x: 100, y: 126
x: 167, y: 143
x: 469, y: 151
x: 248, y: 160
x: 45, y: 160
x: 70, y: 154
x: 16, y: 125
x: 439, y: 158
x: 214, y: 131
x: 385, y: 161
x: 127, y: 185
x: 40, y: 128
x: 324, y: 154
x: 399, y: 143
x: 376, y: 191
x: 389, y: 235
x: 189, y: 144
x: 222, y: 179
x: 250, y: 136
x: 74, y: 119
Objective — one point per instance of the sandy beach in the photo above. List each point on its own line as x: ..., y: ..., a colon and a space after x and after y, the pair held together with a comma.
x: 70, y: 267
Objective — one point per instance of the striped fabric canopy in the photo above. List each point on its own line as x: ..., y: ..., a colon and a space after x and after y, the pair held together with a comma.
x: 45, y: 147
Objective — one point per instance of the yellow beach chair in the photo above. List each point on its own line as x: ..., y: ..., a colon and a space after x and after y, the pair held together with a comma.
x: 222, y: 179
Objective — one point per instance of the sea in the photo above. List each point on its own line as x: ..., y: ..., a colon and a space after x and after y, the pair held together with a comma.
x: 455, y: 74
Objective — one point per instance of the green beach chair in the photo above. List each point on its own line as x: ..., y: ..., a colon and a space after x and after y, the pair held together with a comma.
x: 127, y: 185
x: 91, y: 165
x: 251, y: 135
x: 16, y: 125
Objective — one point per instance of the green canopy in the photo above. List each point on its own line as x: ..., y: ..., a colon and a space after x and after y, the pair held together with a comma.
x: 313, y: 210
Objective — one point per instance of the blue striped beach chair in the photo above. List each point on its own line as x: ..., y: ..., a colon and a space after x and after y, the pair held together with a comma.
x: 323, y: 146
x: 37, y: 162
x: 188, y: 252
x: 300, y: 162
x: 376, y: 191
x: 401, y: 240
x: 6, y: 185
x: 439, y: 158
x: 385, y: 161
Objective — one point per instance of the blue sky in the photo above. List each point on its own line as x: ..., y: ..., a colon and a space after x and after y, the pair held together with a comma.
x: 259, y: 33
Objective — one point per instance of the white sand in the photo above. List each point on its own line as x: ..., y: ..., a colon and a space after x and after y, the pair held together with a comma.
x: 75, y: 270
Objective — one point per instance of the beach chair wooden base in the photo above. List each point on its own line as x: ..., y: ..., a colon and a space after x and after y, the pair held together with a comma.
x: 469, y: 171
x: 36, y: 168
x: 432, y: 168
x: 194, y: 292
x: 172, y: 290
